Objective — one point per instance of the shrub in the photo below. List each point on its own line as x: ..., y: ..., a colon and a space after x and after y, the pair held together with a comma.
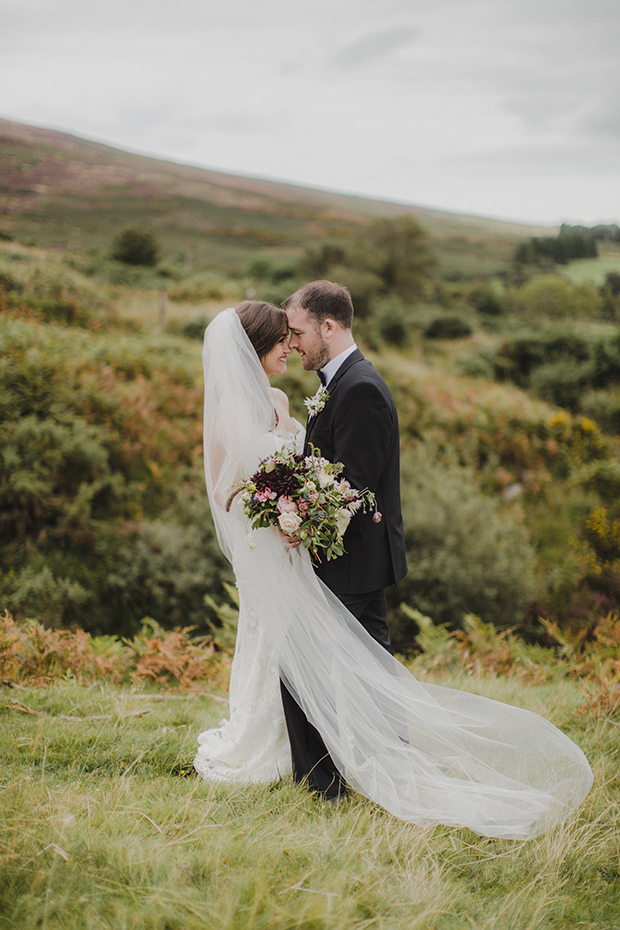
x: 561, y: 382
x: 480, y: 364
x: 464, y: 553
x: 166, y: 567
x: 448, y: 327
x: 195, y: 329
x: 135, y: 246
x: 602, y: 477
x: 392, y: 321
x: 37, y: 592
x: 603, y: 406
x: 400, y: 253
x: 487, y: 302
x: 97, y: 439
x: 554, y: 297
x: 206, y: 286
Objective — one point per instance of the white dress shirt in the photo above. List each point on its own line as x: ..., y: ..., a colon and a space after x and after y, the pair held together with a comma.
x: 334, y: 364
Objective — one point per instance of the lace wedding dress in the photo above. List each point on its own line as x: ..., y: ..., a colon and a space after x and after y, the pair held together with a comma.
x: 428, y: 754
x: 252, y: 744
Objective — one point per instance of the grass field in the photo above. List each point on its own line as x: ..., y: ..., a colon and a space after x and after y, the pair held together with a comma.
x: 594, y: 269
x: 100, y: 830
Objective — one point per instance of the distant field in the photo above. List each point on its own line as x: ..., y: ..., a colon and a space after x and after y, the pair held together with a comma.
x: 594, y: 269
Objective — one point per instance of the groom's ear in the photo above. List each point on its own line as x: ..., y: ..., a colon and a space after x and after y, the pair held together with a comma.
x: 329, y: 327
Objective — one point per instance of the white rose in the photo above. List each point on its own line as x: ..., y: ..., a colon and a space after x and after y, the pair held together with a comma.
x: 343, y: 518
x: 289, y: 523
x: 324, y: 478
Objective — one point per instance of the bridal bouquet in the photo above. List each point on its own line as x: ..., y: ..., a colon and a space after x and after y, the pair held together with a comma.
x: 304, y: 497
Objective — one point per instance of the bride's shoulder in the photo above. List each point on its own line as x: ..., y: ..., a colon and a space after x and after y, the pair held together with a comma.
x: 280, y: 400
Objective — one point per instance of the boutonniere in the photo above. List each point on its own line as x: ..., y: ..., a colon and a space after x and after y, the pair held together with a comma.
x: 315, y: 404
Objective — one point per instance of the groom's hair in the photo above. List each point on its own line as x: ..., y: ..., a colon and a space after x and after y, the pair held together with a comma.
x: 323, y: 299
x: 264, y: 324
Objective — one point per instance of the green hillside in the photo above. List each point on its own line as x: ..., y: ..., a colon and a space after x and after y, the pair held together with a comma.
x: 64, y: 192
x: 506, y: 377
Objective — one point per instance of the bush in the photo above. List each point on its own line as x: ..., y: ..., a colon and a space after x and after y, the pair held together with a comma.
x: 602, y: 477
x: 561, y: 382
x: 195, y: 329
x: 135, y: 246
x: 205, y: 286
x: 603, y: 406
x: 487, y: 302
x: 392, y: 321
x: 561, y: 366
x: 400, y: 253
x: 556, y: 298
x: 480, y: 364
x: 167, y: 568
x: 37, y: 592
x: 97, y: 438
x: 448, y: 327
x: 464, y: 553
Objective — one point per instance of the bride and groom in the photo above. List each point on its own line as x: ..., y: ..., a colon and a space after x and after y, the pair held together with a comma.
x: 314, y: 687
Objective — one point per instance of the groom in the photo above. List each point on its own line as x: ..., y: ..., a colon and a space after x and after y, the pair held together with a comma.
x: 358, y: 426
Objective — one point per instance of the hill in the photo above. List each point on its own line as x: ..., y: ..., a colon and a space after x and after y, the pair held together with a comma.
x: 508, y: 391
x: 62, y: 191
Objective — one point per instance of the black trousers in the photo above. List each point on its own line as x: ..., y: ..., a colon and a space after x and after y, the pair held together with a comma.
x: 312, y: 763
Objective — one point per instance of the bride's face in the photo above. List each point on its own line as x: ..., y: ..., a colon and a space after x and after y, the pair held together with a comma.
x: 274, y: 362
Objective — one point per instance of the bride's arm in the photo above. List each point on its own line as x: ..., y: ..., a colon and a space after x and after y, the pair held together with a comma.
x: 281, y: 405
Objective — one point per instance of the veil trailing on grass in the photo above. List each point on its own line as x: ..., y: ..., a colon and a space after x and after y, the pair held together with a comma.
x: 427, y: 754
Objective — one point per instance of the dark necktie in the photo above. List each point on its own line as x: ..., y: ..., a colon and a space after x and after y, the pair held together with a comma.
x: 321, y: 377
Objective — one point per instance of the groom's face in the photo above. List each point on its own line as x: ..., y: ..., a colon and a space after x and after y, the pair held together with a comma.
x: 308, y: 338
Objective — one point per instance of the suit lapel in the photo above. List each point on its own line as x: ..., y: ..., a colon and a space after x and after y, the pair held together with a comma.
x: 350, y: 360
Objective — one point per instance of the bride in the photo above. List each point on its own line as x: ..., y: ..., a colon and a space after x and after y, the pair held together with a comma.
x: 428, y: 754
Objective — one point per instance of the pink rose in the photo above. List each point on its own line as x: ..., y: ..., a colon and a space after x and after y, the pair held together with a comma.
x: 289, y: 523
x: 286, y: 505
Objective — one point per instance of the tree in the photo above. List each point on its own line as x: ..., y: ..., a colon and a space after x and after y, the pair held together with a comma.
x: 401, y: 255
x: 135, y: 246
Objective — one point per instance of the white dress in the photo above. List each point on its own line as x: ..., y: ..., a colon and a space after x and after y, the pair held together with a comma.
x: 252, y: 745
x: 427, y: 754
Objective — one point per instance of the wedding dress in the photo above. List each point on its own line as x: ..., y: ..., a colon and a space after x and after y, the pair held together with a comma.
x: 252, y: 744
x: 428, y: 754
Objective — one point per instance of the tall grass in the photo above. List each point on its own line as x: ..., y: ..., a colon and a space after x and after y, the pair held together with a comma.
x: 99, y: 829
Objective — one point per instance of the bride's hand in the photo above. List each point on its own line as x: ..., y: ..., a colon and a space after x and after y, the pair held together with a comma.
x: 290, y: 542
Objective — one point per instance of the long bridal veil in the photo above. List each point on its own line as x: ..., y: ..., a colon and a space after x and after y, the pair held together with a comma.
x: 428, y: 754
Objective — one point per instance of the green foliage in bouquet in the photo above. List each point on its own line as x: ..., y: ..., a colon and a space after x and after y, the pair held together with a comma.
x: 305, y: 498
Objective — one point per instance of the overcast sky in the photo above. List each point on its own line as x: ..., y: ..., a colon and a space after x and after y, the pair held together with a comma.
x: 507, y: 108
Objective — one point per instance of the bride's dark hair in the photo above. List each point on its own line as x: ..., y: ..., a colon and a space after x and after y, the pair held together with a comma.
x: 264, y: 324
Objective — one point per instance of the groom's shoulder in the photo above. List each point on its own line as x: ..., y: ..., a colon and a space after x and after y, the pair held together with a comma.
x: 364, y: 370
x: 362, y: 378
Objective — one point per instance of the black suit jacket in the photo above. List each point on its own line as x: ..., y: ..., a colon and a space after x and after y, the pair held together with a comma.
x: 359, y: 427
